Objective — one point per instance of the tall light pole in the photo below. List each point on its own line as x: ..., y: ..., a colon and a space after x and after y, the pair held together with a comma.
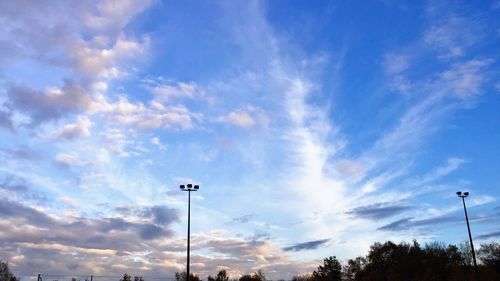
x: 463, y: 195
x: 189, y: 188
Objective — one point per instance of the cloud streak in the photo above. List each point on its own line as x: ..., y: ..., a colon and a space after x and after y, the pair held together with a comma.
x: 310, y: 245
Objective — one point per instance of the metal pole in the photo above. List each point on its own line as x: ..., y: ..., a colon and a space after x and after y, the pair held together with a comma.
x: 470, y: 239
x: 189, y: 233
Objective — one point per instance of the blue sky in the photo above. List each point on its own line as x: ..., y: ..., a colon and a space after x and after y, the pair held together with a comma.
x: 313, y: 129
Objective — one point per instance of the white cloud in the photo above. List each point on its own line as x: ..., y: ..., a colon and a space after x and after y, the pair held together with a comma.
x: 117, y: 141
x: 79, y: 129
x: 68, y: 201
x: 103, y: 63
x: 465, y: 80
x: 246, y: 118
x: 482, y: 199
x: 112, y: 16
x: 395, y: 63
x: 156, y: 141
x: 151, y: 116
x: 451, y: 165
x: 452, y: 35
x: 90, y: 51
x: 67, y: 159
x: 165, y: 90
x: 173, y: 117
x: 241, y: 119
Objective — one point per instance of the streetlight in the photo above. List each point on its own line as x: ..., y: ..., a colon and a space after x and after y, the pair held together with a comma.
x: 463, y: 195
x: 189, y: 188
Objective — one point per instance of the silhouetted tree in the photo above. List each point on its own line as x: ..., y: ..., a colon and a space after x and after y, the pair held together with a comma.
x: 126, y: 277
x: 138, y: 278
x: 256, y: 276
x: 410, y: 262
x: 466, y: 253
x: 259, y: 276
x: 5, y: 273
x: 222, y: 276
x: 353, y: 271
x: 331, y: 270
x: 246, y: 277
x: 305, y: 277
x: 380, y: 259
x: 181, y: 276
x: 441, y: 262
x: 489, y: 255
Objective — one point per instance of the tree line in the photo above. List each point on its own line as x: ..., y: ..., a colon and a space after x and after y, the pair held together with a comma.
x: 384, y: 262
x: 396, y: 262
x: 411, y: 262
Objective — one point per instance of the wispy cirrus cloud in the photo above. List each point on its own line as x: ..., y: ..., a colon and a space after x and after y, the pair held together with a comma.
x: 452, y: 34
x: 310, y: 245
x: 379, y: 210
x: 490, y: 235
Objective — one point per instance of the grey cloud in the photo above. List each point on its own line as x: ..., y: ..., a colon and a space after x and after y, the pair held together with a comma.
x: 6, y: 121
x: 409, y: 222
x: 234, y: 247
x: 488, y: 235
x: 104, y: 243
x: 97, y: 233
x: 162, y: 215
x: 13, y: 184
x: 21, y: 152
x: 242, y: 219
x: 310, y: 245
x: 18, y: 187
x: 146, y: 231
x: 33, y: 29
x: 379, y: 211
x: 124, y: 210
x: 44, y: 106
x: 396, y: 225
x: 151, y: 231
x: 260, y: 234
x: 115, y: 224
x: 23, y: 213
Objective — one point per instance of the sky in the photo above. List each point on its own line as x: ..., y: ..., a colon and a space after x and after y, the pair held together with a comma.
x: 314, y: 128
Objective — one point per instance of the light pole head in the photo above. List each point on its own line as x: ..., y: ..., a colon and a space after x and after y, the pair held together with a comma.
x: 189, y: 187
x: 466, y: 193
x: 459, y: 193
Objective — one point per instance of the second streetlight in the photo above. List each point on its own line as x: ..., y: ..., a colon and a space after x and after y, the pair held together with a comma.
x: 463, y: 195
